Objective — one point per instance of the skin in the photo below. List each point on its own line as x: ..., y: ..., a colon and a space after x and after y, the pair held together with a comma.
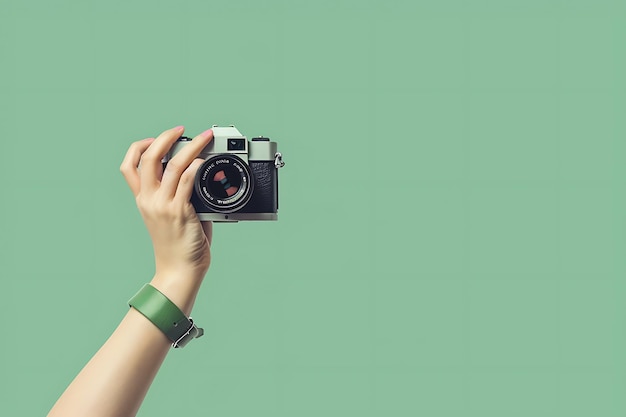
x: 115, y: 381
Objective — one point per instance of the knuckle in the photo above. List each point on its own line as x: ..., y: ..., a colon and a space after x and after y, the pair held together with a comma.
x: 133, y: 148
x: 164, y: 210
x: 139, y: 143
x: 193, y: 168
x: 149, y: 157
x: 139, y: 200
x: 187, y: 176
x: 143, y: 203
x: 174, y: 167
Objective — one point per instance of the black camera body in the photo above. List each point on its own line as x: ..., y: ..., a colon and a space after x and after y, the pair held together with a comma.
x: 238, y: 179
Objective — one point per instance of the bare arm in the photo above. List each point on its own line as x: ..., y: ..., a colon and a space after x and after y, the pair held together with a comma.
x: 115, y: 381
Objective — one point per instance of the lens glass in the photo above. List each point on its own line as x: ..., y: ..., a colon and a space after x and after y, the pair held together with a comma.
x: 224, y: 183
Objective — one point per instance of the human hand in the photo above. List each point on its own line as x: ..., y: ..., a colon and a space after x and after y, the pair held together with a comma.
x: 181, y: 242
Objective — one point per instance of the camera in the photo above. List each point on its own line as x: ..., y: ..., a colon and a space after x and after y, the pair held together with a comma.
x: 238, y: 179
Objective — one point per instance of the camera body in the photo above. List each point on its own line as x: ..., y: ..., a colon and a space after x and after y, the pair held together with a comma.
x: 238, y: 179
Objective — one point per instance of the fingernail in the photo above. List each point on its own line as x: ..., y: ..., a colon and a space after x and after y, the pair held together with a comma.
x: 179, y: 128
x: 206, y: 133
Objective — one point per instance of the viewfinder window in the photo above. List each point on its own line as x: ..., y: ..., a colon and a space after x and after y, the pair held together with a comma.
x: 236, y: 144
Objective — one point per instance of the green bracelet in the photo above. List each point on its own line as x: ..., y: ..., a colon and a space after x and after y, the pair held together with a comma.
x: 165, y: 315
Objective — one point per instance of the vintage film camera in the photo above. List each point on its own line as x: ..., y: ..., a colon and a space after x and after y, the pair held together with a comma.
x: 238, y: 179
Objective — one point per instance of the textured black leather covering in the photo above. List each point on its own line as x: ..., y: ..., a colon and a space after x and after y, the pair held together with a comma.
x: 265, y: 195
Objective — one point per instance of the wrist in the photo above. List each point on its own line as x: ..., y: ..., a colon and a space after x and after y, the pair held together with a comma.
x: 180, y: 289
x: 188, y: 271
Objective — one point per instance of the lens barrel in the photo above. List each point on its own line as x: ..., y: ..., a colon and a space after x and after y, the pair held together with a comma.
x: 224, y: 183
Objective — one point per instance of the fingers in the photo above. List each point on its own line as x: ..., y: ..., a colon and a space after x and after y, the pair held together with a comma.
x: 181, y: 161
x: 185, y: 185
x: 129, y: 165
x: 151, y: 165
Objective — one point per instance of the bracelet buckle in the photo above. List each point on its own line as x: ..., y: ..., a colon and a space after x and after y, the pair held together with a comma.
x: 191, y: 333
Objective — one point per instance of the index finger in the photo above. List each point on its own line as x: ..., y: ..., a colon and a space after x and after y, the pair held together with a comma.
x: 151, y: 165
x: 179, y: 163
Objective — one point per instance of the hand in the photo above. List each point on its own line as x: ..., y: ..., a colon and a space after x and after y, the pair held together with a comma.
x: 181, y: 242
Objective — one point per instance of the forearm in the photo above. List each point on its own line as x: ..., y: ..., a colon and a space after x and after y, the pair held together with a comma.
x: 116, y: 379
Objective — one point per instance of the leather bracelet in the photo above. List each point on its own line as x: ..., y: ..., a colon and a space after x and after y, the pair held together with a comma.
x: 165, y: 315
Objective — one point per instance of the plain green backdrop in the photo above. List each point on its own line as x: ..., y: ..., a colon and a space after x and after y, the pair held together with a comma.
x: 452, y: 228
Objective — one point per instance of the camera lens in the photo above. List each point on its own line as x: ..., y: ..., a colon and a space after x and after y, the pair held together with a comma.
x: 224, y: 183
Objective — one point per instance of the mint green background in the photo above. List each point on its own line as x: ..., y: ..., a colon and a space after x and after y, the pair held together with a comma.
x: 452, y: 213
